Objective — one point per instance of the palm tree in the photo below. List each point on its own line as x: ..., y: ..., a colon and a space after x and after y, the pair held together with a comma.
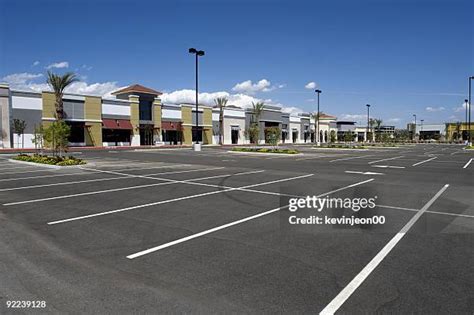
x: 316, y: 116
x: 458, y: 130
x: 378, y: 123
x: 58, y: 84
x: 221, y: 103
x: 257, y: 109
x: 372, y: 123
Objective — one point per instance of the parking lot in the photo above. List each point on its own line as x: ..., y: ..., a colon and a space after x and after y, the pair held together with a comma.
x: 172, y: 230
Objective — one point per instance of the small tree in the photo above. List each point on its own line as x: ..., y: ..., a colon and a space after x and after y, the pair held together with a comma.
x: 252, y: 134
x: 333, y: 136
x: 348, y: 136
x: 56, y: 136
x: 19, y: 127
x: 272, y: 135
x: 38, y: 137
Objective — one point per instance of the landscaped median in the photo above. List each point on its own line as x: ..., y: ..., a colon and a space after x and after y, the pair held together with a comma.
x: 49, y: 160
x: 270, y: 150
x: 364, y: 146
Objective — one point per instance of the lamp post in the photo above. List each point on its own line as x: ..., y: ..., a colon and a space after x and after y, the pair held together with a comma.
x: 469, y: 104
x: 197, y: 53
x: 414, y: 131
x: 318, y: 143
x: 368, y: 122
x: 421, y: 127
x: 466, y: 103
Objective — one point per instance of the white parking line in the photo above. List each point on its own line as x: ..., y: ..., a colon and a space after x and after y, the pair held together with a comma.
x: 106, y: 179
x: 351, y: 158
x: 166, y: 182
x: 82, y: 173
x: 467, y: 164
x: 387, y: 166
x: 388, y: 159
x: 364, y: 173
x: 193, y: 236
x: 35, y: 171
x: 425, y: 161
x: 176, y: 199
x: 12, y: 168
x: 341, y: 298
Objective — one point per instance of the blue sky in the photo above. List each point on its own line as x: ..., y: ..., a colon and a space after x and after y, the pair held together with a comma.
x: 403, y: 57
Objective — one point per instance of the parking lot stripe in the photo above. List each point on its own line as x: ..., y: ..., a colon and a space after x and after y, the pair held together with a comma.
x: 12, y: 168
x: 105, y: 179
x: 176, y: 199
x: 387, y: 166
x: 34, y: 171
x: 351, y: 158
x: 82, y: 173
x: 340, y: 299
x: 425, y: 161
x: 467, y: 164
x: 364, y: 173
x: 166, y: 182
x: 388, y: 159
x: 190, y: 237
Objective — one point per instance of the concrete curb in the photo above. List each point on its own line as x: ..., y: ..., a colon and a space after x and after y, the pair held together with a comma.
x: 265, y: 153
x: 57, y: 167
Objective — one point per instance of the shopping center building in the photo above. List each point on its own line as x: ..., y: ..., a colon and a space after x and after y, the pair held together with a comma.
x: 136, y: 117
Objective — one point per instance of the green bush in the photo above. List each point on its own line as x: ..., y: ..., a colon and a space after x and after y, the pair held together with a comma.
x: 50, y: 160
x: 266, y: 150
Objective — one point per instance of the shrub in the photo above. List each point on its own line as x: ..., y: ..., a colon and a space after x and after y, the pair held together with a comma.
x: 266, y: 150
x: 50, y: 160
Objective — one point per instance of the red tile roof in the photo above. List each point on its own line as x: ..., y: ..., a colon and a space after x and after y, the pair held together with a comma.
x: 137, y: 88
x: 322, y: 115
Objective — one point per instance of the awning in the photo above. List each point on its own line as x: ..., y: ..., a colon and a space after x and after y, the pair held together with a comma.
x: 116, y: 124
x: 171, y: 125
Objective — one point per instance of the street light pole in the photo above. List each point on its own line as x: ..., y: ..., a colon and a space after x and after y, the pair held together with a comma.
x: 414, y: 131
x: 421, y: 127
x: 466, y: 103
x: 197, y: 53
x: 318, y: 143
x: 469, y: 104
x: 368, y: 122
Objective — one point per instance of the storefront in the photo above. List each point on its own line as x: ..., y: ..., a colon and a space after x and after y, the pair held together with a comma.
x: 171, y: 132
x: 116, y: 132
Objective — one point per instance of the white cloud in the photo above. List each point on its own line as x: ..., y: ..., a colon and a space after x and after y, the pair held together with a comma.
x: 394, y: 120
x: 310, y: 85
x: 249, y: 87
x: 20, y: 78
x: 27, y: 82
x: 462, y: 108
x: 291, y: 110
x: 99, y: 89
x: 355, y: 117
x: 58, y: 65
x: 434, y: 109
x: 35, y: 63
x: 238, y: 99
